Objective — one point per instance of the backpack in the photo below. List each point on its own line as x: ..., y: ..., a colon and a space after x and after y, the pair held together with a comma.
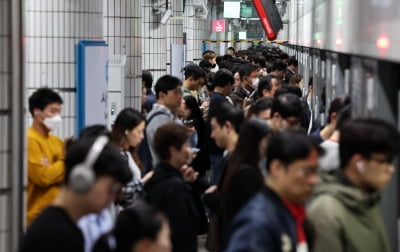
x: 144, y: 147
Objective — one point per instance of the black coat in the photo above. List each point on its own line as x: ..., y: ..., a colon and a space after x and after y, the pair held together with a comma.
x: 168, y: 191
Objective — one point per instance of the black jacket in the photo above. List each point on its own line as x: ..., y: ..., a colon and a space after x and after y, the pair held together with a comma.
x: 238, y: 95
x: 168, y: 191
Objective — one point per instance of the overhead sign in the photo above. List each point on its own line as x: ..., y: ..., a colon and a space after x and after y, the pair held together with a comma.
x: 219, y: 26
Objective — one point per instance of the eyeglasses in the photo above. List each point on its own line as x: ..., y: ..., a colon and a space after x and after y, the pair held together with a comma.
x: 305, y: 172
x: 387, y: 162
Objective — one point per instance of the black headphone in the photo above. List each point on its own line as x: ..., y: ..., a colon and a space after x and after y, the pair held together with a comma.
x: 82, y: 176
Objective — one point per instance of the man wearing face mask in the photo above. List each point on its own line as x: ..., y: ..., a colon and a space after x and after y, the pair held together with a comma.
x: 45, y: 152
x: 248, y: 85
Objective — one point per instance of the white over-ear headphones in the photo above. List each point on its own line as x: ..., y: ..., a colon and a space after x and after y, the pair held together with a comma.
x: 82, y: 176
x: 360, y: 166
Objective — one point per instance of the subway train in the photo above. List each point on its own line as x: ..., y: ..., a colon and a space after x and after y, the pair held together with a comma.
x: 351, y: 48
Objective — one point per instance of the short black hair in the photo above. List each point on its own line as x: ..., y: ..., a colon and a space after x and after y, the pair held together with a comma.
x: 219, y: 59
x: 205, y: 65
x: 166, y: 83
x: 193, y: 70
x: 223, y: 77
x: 225, y: 112
x: 246, y: 70
x: 337, y: 105
x: 284, y: 56
x: 147, y: 78
x: 288, y: 89
x: 289, y: 146
x: 287, y: 105
x: 264, y: 84
x: 94, y: 131
x: 279, y: 65
x: 261, y: 105
x: 367, y: 136
x: 224, y: 64
x: 227, y: 57
x: 43, y: 97
x: 293, y: 62
x: 260, y: 60
x: 138, y: 222
x: 110, y: 161
x: 343, y: 116
x: 169, y: 135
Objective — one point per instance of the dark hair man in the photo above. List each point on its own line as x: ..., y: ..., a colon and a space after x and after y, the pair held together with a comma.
x: 167, y: 189
x: 55, y: 228
x: 45, y: 151
x: 223, y: 82
x: 169, y: 98
x: 286, y: 112
x: 194, y: 78
x: 346, y: 203
x: 273, y: 219
x: 279, y: 69
x: 261, y: 109
x: 292, y: 68
x: 248, y: 84
x: 268, y: 86
x: 147, y: 82
x: 230, y: 51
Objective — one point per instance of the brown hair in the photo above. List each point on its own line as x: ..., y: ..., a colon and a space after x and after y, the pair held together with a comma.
x: 295, y: 79
x: 168, y: 135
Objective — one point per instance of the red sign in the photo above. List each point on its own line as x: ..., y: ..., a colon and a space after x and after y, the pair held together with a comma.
x: 219, y: 26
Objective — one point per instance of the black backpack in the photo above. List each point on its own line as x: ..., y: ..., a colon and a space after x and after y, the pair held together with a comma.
x: 144, y: 148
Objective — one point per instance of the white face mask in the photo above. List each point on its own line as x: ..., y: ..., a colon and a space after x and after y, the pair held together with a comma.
x: 52, y: 122
x: 254, y: 83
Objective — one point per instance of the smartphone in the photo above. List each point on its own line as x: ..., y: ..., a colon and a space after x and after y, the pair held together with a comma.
x: 252, y: 94
x: 196, y: 150
x: 189, y: 123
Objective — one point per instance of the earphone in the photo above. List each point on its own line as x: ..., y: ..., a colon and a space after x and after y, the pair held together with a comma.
x: 360, y: 166
x: 82, y: 176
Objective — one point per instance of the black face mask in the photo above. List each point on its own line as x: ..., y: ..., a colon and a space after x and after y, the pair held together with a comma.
x: 213, y: 65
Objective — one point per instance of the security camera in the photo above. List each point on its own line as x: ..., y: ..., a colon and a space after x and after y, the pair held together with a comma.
x: 200, y: 9
x: 166, y: 16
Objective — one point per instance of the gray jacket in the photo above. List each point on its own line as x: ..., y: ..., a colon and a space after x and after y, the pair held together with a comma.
x: 155, y: 123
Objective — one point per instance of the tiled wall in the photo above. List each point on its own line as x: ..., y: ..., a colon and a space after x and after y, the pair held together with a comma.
x: 174, y: 30
x: 154, y: 50
x: 53, y: 28
x: 196, y: 30
x: 122, y: 31
x: 5, y: 84
x: 157, y: 37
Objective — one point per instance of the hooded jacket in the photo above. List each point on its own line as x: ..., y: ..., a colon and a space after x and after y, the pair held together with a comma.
x: 345, y: 218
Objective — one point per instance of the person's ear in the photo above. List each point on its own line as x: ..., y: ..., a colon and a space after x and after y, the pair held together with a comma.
x: 266, y: 93
x: 275, y: 167
x: 161, y: 94
x: 36, y: 112
x: 358, y: 162
x: 229, y: 126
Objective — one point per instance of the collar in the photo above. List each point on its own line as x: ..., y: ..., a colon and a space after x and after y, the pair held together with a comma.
x: 160, y: 107
x: 298, y: 211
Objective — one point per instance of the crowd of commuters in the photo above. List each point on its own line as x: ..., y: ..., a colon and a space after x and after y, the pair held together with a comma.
x: 231, y: 151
